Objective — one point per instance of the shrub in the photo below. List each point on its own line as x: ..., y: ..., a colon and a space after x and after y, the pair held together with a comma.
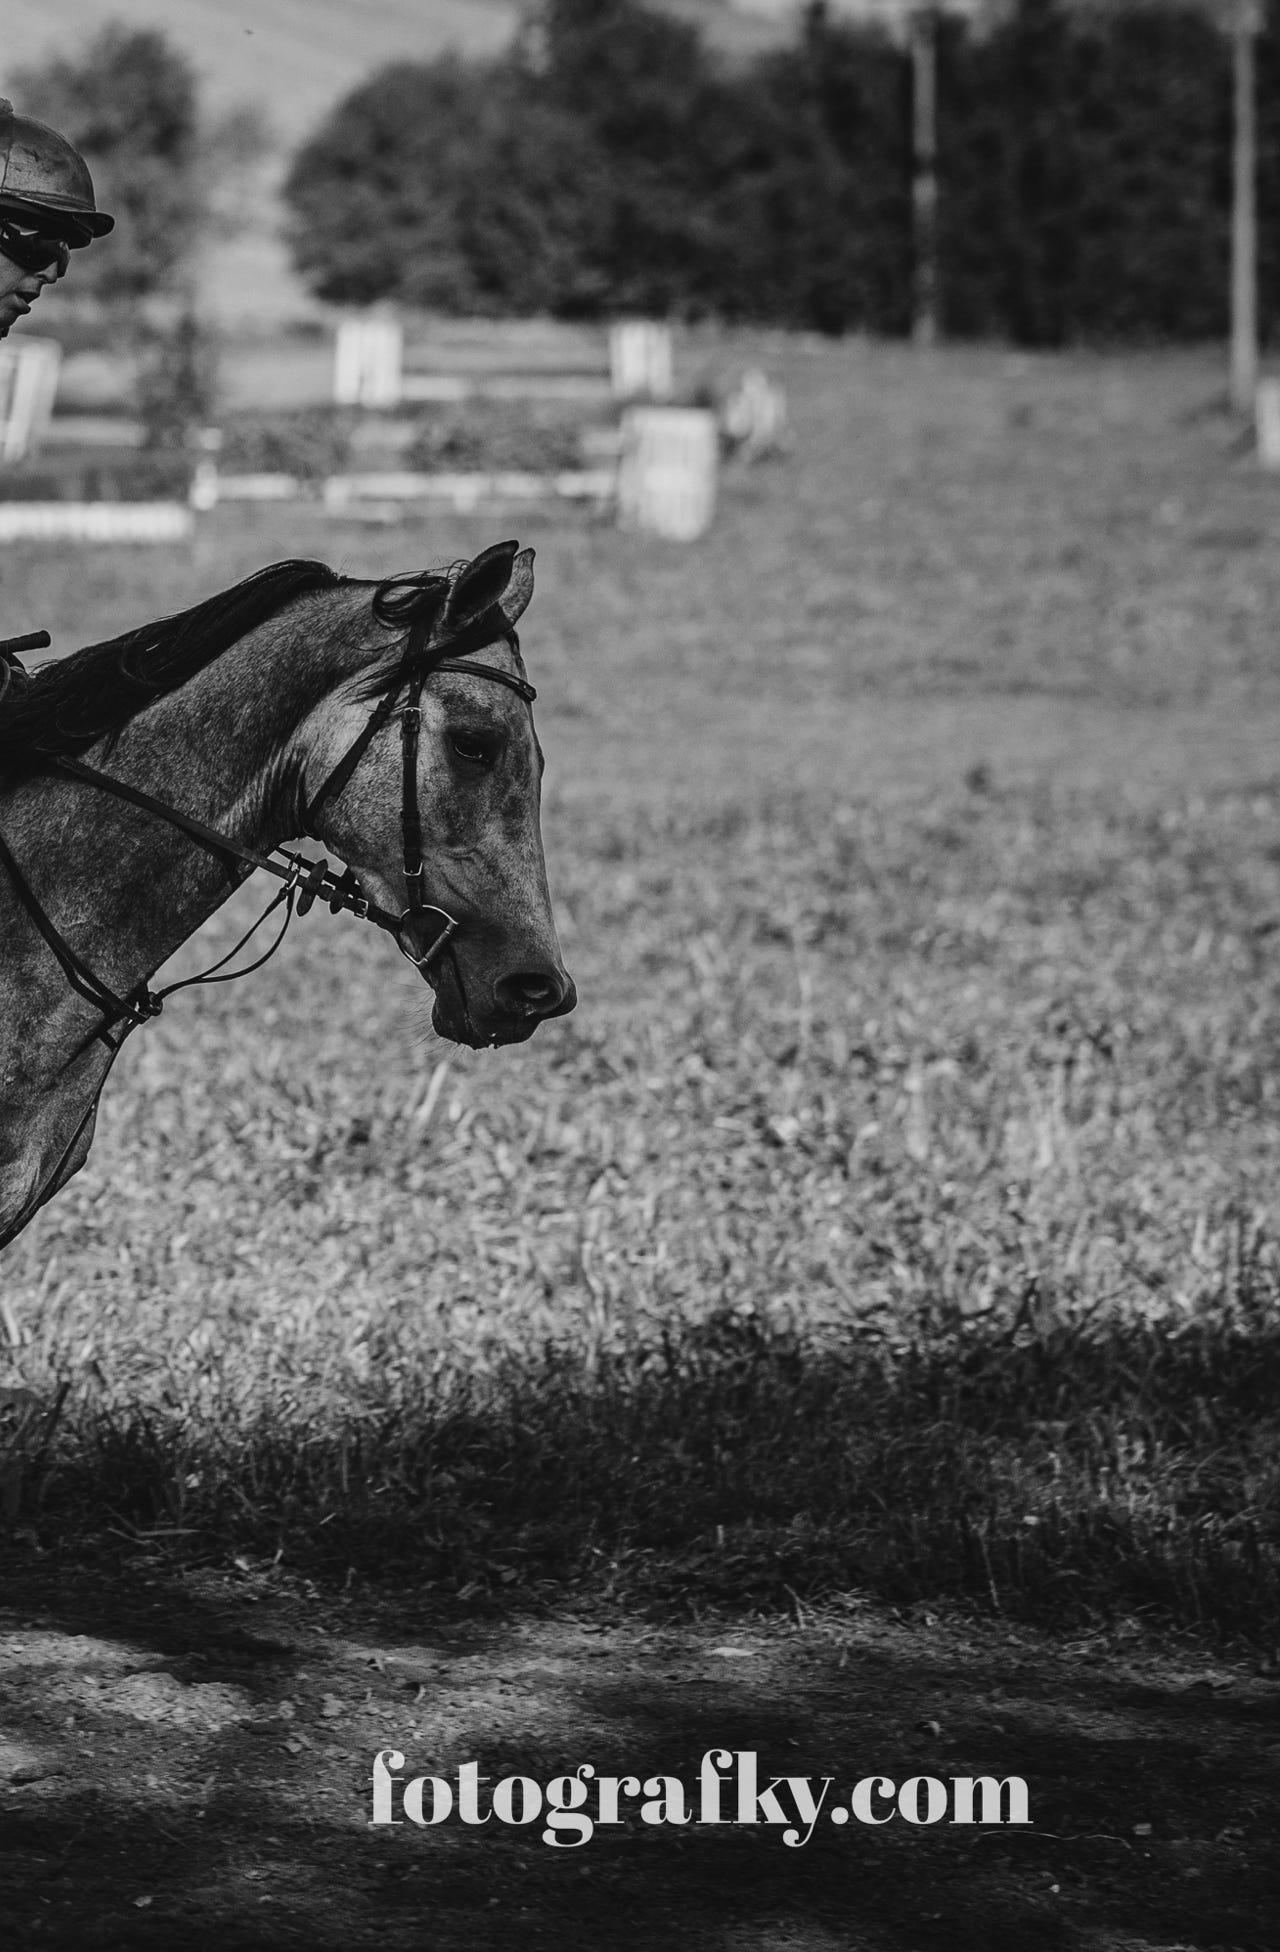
x: 496, y: 435
x: 311, y: 444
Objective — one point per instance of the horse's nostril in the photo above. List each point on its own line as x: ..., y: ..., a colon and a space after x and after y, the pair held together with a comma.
x: 530, y: 992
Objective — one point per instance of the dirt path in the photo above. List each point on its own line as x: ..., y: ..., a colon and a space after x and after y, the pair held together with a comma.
x: 186, y: 1761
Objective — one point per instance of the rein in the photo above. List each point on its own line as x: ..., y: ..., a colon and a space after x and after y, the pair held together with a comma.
x: 305, y: 881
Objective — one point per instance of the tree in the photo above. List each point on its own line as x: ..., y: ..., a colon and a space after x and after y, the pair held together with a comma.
x: 374, y: 194
x: 568, y: 177
x: 437, y: 184
x: 129, y: 105
x: 607, y: 165
x: 1083, y: 175
x: 813, y: 192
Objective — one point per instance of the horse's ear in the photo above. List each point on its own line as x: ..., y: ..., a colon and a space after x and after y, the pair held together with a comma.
x: 514, y: 600
x: 481, y: 584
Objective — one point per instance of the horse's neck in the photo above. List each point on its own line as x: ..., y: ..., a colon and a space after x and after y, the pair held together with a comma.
x: 123, y: 885
x: 224, y: 747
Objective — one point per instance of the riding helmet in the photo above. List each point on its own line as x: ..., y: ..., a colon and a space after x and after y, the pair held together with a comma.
x: 45, y: 182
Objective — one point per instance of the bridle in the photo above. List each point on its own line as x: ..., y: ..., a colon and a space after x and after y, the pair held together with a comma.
x: 415, y: 667
x: 305, y: 881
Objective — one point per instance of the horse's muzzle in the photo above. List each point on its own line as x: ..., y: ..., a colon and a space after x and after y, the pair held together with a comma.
x: 520, y: 1002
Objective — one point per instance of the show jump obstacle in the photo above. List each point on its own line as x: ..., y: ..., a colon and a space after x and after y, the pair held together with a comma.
x: 28, y: 386
x: 658, y: 470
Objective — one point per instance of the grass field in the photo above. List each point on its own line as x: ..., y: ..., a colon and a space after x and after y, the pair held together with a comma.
x: 898, y: 1213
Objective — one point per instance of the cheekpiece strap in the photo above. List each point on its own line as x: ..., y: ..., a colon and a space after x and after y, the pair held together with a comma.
x: 411, y: 813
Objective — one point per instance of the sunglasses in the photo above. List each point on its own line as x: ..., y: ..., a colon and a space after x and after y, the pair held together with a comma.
x: 32, y: 250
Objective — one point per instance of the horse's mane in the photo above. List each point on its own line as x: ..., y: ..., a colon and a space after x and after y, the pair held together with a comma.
x: 66, y: 706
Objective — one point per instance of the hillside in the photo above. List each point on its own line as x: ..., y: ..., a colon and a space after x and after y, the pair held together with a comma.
x: 295, y: 57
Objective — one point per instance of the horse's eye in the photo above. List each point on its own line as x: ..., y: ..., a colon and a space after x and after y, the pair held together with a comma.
x: 477, y: 748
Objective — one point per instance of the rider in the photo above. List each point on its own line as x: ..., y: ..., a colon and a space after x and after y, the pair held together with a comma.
x: 47, y: 211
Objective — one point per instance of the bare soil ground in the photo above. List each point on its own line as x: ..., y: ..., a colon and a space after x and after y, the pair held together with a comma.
x: 187, y: 1760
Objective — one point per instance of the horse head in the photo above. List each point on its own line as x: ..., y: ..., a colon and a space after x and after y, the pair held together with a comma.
x: 433, y: 796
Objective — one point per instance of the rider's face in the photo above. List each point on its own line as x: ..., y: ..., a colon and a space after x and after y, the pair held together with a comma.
x: 19, y: 290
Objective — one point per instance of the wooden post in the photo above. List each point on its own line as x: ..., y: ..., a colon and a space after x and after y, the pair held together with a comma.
x: 924, y: 174
x: 28, y: 386
x: 1246, y: 24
